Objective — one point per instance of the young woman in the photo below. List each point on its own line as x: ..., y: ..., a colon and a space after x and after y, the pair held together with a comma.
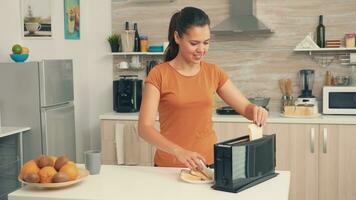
x: 182, y: 90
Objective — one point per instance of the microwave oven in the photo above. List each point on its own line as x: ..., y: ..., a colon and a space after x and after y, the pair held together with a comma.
x: 339, y: 100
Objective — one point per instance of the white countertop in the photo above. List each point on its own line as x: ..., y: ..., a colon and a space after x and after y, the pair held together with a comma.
x: 137, y: 182
x: 6, y: 131
x: 273, y: 118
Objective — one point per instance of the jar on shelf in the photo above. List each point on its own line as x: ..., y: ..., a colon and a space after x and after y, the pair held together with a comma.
x: 144, y: 43
x: 350, y: 40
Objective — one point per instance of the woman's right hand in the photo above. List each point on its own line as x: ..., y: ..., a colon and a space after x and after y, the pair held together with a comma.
x: 189, y: 158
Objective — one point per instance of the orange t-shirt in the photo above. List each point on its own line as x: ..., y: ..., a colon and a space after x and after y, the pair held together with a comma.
x: 185, y: 109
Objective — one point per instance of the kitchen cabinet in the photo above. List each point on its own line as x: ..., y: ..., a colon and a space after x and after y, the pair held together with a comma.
x: 11, y: 158
x: 9, y: 165
x: 337, y: 162
x: 228, y: 130
x: 296, y: 151
x: 136, y: 150
x: 321, y: 159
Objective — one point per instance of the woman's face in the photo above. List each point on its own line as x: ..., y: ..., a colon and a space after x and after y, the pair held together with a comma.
x: 194, y: 44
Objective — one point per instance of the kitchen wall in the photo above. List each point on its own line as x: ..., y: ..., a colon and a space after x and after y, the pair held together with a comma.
x: 254, y: 62
x: 92, y: 65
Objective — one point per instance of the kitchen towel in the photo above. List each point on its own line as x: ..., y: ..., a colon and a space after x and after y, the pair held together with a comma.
x: 131, y: 144
x: 119, y: 141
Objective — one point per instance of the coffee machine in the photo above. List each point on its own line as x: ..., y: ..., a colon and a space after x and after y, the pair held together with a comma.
x: 306, y: 79
x: 127, y: 94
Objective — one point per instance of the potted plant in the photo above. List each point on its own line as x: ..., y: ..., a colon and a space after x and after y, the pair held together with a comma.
x: 114, y: 41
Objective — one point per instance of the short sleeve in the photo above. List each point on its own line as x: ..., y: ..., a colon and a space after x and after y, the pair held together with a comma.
x: 154, y: 77
x: 220, y: 77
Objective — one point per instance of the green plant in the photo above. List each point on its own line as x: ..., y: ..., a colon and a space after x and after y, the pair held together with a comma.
x: 114, y: 39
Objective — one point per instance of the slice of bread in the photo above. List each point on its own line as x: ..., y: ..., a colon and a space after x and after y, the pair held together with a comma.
x: 199, y: 174
x: 207, y: 171
x: 189, y: 175
x: 255, y: 132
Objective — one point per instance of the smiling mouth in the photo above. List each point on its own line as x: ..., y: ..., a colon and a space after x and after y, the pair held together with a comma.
x: 198, y: 56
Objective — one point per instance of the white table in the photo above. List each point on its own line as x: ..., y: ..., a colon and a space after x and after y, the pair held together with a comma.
x: 137, y: 182
x: 7, y: 131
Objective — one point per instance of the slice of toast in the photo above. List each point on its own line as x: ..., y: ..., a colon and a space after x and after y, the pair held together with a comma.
x: 189, y: 175
x: 199, y: 174
x: 255, y: 132
x: 206, y: 171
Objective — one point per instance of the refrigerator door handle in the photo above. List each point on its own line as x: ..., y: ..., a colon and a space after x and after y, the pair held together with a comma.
x: 44, y: 130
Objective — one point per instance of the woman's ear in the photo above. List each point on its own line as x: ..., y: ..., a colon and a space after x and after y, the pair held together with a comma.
x: 176, y: 37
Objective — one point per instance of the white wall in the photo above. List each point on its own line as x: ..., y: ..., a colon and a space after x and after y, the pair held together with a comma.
x: 92, y: 65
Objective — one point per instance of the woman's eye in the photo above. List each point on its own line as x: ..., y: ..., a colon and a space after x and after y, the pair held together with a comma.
x: 206, y: 43
x: 194, y: 44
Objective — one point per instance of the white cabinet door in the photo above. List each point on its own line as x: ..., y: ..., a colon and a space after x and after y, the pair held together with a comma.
x: 337, y: 162
x: 297, y: 152
x: 304, y: 161
x: 229, y: 130
x: 283, y: 142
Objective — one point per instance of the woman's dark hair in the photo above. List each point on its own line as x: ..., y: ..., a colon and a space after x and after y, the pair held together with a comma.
x: 180, y: 22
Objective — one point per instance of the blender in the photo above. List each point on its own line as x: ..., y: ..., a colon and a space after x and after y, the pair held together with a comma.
x: 306, y: 79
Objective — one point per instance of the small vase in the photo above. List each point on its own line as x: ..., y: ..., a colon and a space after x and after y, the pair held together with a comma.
x: 114, y: 47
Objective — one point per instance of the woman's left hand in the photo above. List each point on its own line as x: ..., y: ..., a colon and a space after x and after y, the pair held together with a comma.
x: 260, y: 115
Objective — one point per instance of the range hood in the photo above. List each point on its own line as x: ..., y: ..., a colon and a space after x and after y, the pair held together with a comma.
x: 242, y: 19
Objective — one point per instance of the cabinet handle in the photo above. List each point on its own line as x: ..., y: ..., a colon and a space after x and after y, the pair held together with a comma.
x: 312, y: 140
x: 325, y: 140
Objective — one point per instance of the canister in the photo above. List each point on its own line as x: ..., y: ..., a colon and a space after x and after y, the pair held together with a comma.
x: 350, y: 40
x: 144, y: 43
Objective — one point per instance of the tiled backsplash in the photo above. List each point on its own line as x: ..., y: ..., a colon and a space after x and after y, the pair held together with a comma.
x: 254, y: 62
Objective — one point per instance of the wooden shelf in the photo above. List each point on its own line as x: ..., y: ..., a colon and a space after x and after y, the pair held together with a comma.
x: 137, y: 53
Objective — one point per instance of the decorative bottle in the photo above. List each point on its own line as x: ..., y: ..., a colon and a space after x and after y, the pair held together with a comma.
x: 320, y: 33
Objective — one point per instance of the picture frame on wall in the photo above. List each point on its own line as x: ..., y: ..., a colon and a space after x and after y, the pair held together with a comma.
x: 36, y: 19
x: 72, y: 19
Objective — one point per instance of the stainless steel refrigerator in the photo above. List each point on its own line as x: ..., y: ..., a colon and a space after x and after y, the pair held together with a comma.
x: 40, y: 95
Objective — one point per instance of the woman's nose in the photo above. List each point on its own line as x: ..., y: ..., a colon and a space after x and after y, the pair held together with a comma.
x: 200, y: 48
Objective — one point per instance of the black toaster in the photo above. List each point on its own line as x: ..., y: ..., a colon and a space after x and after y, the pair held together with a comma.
x: 240, y: 163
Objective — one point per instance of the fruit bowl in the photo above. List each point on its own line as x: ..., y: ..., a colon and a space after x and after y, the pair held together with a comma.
x: 83, y: 173
x: 19, y: 57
